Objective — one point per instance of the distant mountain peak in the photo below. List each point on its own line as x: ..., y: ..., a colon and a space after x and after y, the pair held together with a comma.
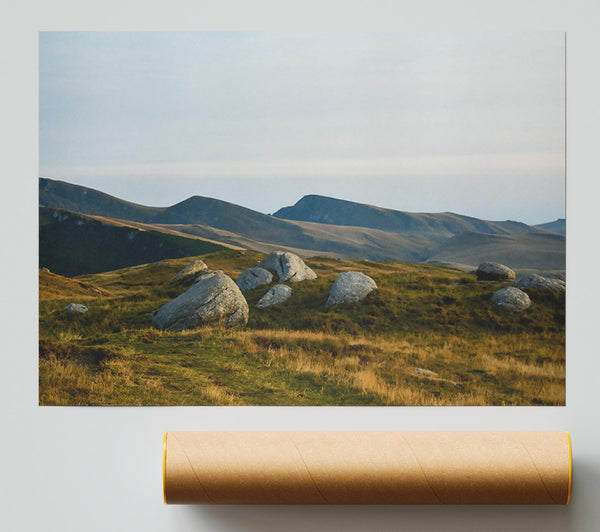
x: 557, y: 226
x: 317, y: 197
x: 438, y: 226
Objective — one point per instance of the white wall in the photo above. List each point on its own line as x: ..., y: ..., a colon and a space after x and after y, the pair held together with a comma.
x: 97, y: 469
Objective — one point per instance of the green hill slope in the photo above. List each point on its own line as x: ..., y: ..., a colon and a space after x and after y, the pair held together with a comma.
x: 428, y: 335
x: 73, y: 244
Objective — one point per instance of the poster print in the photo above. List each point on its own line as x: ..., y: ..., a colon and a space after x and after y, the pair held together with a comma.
x: 265, y: 218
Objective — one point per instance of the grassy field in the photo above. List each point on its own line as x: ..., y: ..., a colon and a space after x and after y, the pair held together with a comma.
x: 429, y: 335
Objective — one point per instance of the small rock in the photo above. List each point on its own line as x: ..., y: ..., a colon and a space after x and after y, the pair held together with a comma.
x: 76, y: 307
x: 278, y: 294
x: 511, y: 298
x: 188, y: 274
x: 253, y: 277
x: 543, y: 283
x: 425, y: 372
x: 287, y: 266
x: 45, y: 270
x: 492, y: 271
x: 215, y: 301
x: 350, y: 287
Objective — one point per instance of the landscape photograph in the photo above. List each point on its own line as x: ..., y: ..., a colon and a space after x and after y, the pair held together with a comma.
x: 302, y: 218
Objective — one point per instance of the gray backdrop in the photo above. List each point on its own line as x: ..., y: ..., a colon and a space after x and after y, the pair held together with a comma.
x: 97, y: 469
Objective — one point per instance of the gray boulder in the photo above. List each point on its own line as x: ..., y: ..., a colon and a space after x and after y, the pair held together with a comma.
x: 511, y: 298
x: 188, y: 274
x: 543, y: 283
x: 215, y: 301
x: 278, y: 294
x: 205, y: 274
x: 287, y: 266
x: 492, y: 271
x: 253, y: 277
x: 350, y: 287
x: 76, y: 307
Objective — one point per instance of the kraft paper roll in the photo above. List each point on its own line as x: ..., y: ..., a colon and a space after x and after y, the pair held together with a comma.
x: 367, y: 467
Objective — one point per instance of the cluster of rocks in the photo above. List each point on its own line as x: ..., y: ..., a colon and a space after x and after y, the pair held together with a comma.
x: 215, y: 299
x: 515, y: 298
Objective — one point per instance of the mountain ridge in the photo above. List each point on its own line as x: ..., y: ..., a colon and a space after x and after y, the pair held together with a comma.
x: 396, y: 235
x: 327, y: 210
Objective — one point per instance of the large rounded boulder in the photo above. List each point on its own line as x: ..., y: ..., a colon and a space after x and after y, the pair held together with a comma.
x: 350, y: 287
x: 542, y: 283
x: 189, y: 274
x: 511, y: 298
x: 215, y: 301
x: 253, y: 277
x: 493, y: 271
x: 278, y: 294
x: 287, y: 266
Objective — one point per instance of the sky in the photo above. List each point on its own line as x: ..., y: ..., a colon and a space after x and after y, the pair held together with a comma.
x: 472, y: 123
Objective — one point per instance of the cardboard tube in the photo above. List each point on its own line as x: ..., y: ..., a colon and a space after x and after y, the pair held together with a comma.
x: 367, y: 468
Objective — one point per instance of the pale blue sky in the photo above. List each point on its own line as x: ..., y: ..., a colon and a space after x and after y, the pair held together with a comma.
x: 464, y: 122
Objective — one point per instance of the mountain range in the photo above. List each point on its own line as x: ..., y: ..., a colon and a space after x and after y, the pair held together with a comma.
x: 315, y: 225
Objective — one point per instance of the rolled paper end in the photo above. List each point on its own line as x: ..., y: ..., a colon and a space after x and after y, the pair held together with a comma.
x: 570, y: 467
x: 164, y: 466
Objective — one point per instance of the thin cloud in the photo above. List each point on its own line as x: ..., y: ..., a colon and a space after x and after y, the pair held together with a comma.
x: 480, y: 165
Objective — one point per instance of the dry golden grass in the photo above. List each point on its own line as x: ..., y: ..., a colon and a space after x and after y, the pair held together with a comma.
x: 499, y: 373
x: 53, y: 286
x: 387, y: 373
x: 57, y: 375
